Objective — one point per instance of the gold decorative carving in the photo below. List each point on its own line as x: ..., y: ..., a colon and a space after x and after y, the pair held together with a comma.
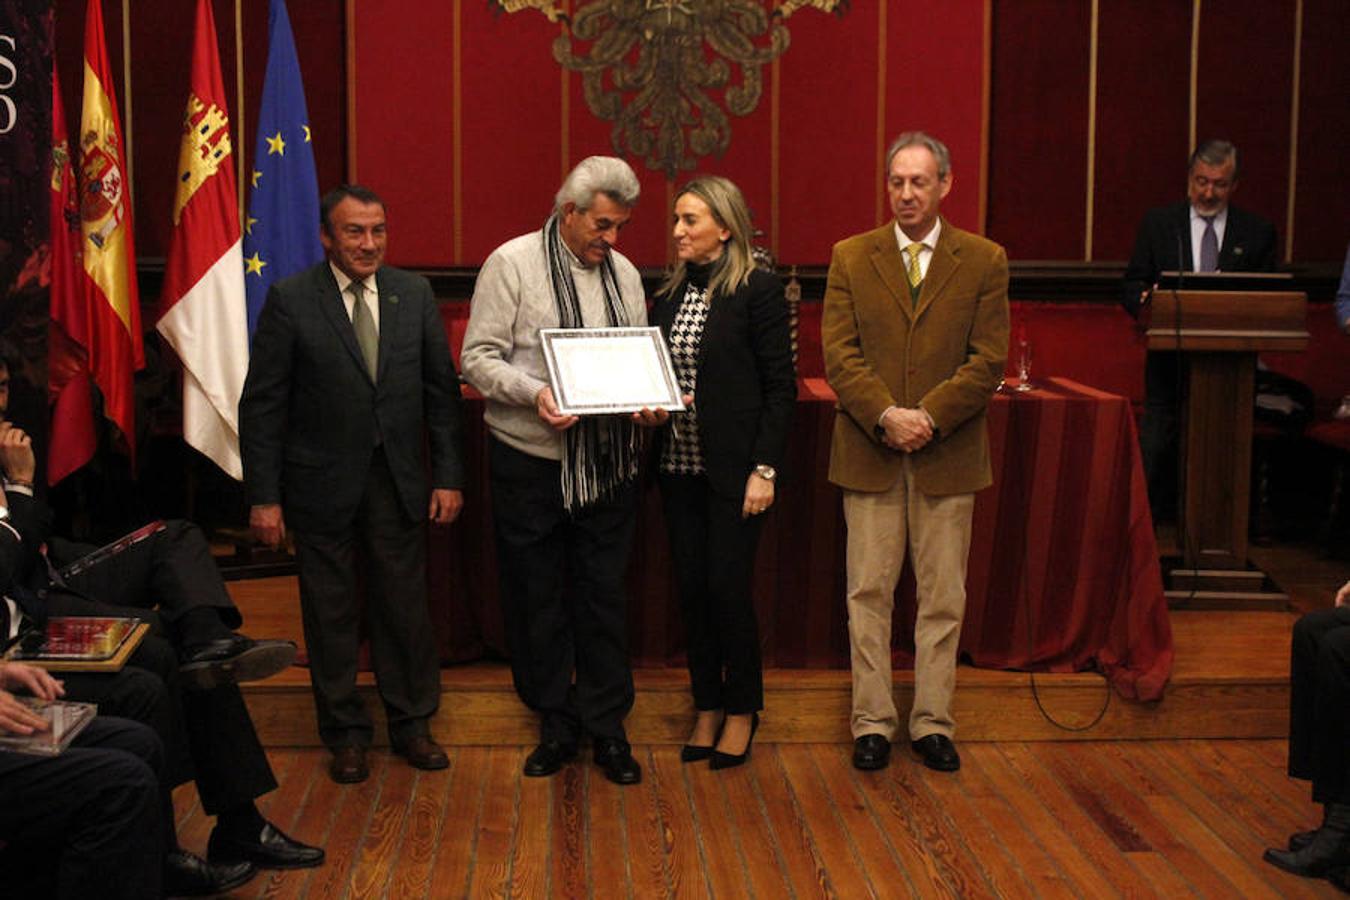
x: 654, y: 67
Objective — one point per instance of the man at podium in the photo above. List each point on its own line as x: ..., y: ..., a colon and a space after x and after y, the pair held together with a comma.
x: 1203, y: 234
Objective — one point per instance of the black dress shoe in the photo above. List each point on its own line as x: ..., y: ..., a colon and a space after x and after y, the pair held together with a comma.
x: 269, y: 849
x: 422, y: 752
x: 1326, y: 854
x: 938, y: 752
x: 615, y: 759
x: 233, y: 660
x: 722, y: 760
x: 871, y: 751
x: 188, y: 875
x: 348, y: 765
x: 548, y: 757
x: 1300, y: 839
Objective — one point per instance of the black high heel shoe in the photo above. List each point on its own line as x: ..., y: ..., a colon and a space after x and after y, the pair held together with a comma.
x: 696, y: 752
x: 722, y: 760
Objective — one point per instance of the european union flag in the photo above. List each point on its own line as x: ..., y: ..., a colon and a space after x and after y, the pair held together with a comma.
x: 281, y: 233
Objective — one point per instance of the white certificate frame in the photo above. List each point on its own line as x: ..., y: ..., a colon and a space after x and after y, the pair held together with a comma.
x: 602, y: 371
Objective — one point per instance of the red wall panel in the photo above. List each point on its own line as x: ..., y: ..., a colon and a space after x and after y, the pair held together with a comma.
x: 1143, y: 114
x: 829, y: 178
x: 934, y: 74
x: 404, y: 121
x: 644, y: 238
x: 1038, y: 127
x: 510, y: 128
x: 515, y: 134
x: 1244, y: 88
x: 1322, y: 197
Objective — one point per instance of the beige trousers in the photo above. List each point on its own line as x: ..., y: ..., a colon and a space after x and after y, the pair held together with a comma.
x: 937, y: 533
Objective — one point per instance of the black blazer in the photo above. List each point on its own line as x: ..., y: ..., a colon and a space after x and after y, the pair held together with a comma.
x: 310, y: 415
x: 1248, y: 246
x: 747, y: 385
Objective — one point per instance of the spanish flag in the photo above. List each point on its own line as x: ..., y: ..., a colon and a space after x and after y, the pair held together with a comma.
x: 69, y: 391
x: 109, y: 256
x: 202, y: 311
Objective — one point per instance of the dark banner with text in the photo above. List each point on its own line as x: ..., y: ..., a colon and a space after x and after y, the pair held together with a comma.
x: 25, y: 173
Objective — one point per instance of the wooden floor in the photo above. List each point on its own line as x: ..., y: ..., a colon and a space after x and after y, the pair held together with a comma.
x: 1123, y: 819
x: 1036, y: 811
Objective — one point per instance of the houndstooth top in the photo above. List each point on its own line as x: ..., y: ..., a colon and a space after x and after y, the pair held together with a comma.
x: 682, y: 453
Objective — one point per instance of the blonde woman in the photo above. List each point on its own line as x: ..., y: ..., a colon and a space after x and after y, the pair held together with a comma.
x: 727, y: 326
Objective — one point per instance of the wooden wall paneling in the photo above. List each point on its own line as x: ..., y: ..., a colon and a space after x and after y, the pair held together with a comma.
x: 1322, y: 195
x: 404, y: 126
x: 511, y: 124
x: 1244, y: 94
x: 934, y: 74
x: 1142, y: 114
x: 829, y: 180
x: 1038, y: 128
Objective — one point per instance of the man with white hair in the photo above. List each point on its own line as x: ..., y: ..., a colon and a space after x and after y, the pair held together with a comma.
x: 563, y: 494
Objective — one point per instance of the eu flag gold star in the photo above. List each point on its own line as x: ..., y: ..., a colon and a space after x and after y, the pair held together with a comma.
x: 256, y: 176
x: 253, y: 265
x: 249, y: 222
x: 306, y: 127
x: 276, y: 145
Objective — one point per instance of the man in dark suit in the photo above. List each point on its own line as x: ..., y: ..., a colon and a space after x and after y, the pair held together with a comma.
x: 1319, y: 740
x: 915, y: 335
x: 350, y: 374
x: 182, y: 679
x: 1204, y: 234
x: 87, y: 822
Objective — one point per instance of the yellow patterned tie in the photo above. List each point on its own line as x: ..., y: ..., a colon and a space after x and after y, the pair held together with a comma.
x: 915, y: 273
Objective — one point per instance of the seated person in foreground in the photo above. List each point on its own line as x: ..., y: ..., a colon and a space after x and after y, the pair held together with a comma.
x: 205, y: 725
x: 1319, y: 741
x: 84, y: 823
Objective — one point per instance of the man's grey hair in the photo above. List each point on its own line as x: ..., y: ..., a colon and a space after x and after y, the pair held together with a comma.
x: 606, y: 175
x: 1214, y: 153
x: 920, y: 139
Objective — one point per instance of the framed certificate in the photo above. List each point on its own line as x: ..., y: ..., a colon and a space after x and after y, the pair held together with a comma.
x: 609, y: 370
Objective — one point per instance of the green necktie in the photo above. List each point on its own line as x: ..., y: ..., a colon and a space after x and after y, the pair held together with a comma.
x: 367, y: 338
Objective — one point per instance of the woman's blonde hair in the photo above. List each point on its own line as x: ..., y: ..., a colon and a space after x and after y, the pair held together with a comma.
x: 727, y: 205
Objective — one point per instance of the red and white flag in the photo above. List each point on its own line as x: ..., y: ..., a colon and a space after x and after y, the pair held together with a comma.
x: 108, y: 254
x: 72, y: 439
x: 202, y: 312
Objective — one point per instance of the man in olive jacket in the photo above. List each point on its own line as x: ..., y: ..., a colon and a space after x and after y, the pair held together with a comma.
x: 915, y: 335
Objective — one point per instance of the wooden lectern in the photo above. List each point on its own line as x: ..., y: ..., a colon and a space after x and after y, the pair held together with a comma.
x: 1220, y: 333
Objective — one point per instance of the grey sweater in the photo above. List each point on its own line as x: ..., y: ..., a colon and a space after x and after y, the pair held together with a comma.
x: 502, y: 356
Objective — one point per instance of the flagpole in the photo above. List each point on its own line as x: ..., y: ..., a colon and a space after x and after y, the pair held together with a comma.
x: 126, y: 102
x: 239, y: 104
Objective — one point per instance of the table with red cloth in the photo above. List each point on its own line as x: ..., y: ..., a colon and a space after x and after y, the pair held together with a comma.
x: 1063, y: 577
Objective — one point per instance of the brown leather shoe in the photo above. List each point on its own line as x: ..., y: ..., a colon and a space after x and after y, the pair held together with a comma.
x: 349, y: 765
x: 422, y: 752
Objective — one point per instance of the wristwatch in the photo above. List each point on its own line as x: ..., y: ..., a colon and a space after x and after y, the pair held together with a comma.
x: 768, y: 473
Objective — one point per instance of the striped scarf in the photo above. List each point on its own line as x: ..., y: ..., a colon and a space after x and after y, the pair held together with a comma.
x: 600, y: 453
